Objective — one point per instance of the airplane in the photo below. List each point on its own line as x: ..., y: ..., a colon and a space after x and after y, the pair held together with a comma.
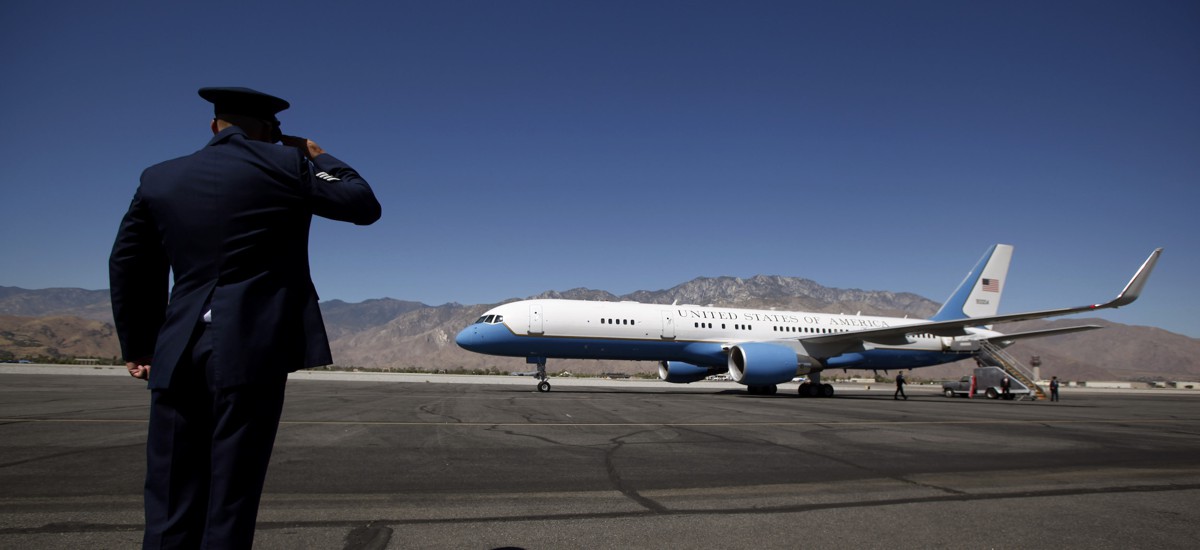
x: 763, y: 348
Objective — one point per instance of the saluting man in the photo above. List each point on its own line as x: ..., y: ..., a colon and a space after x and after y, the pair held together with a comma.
x: 231, y: 223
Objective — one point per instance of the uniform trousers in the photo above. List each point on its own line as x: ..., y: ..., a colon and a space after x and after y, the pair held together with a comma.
x: 207, y: 453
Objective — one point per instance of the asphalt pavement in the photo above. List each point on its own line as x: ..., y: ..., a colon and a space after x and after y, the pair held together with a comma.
x: 392, y: 461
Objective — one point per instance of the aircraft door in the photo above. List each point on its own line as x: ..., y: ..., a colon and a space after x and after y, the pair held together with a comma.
x: 668, y: 325
x: 535, y: 319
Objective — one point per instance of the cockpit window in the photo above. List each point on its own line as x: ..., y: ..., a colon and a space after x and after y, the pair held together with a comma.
x: 491, y: 319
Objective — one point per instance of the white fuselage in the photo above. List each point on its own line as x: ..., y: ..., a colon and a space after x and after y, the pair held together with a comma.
x: 698, y: 334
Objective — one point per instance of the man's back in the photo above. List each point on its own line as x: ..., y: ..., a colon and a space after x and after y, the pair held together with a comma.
x: 229, y: 212
x: 233, y: 221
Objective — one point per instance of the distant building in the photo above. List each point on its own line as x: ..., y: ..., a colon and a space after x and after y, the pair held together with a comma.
x: 1109, y: 385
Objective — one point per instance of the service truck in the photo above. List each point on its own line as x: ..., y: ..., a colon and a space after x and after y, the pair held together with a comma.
x: 987, y: 382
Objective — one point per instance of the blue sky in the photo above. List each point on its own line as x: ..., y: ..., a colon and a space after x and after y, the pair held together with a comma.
x: 519, y: 147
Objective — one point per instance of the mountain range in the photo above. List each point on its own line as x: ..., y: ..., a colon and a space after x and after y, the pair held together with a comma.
x: 394, y: 334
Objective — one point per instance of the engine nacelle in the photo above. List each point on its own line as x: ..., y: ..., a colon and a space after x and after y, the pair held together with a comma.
x: 678, y: 372
x: 758, y: 364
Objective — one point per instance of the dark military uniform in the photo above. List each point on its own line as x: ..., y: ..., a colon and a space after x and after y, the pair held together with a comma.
x: 231, y: 223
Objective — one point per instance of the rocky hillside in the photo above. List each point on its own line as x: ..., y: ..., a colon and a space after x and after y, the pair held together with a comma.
x: 56, y: 336
x: 53, y: 302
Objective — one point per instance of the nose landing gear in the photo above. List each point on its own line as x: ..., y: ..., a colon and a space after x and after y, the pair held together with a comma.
x: 543, y: 385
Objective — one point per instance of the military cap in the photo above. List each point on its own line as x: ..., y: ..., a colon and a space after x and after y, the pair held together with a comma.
x: 243, y: 101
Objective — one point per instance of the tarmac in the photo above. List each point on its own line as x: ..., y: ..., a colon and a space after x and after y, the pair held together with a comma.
x: 373, y: 461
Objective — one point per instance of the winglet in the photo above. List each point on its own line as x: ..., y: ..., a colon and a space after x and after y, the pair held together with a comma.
x: 1134, y: 288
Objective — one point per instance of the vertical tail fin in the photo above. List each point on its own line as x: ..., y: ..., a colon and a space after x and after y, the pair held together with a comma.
x: 979, y: 294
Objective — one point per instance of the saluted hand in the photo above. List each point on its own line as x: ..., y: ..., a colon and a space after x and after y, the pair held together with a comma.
x: 310, y: 147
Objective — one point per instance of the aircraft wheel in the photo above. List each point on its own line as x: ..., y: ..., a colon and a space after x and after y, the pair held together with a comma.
x: 802, y: 391
x: 543, y: 386
x: 826, y: 390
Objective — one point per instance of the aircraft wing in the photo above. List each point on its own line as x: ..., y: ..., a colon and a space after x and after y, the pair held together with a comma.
x: 829, y: 345
x: 1007, y: 337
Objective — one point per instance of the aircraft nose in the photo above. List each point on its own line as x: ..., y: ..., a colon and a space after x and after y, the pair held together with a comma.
x: 469, y: 338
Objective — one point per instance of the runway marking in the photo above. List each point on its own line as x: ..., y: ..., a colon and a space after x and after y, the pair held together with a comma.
x: 836, y: 423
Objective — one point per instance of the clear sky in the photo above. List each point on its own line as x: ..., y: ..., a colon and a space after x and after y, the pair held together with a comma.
x: 521, y: 146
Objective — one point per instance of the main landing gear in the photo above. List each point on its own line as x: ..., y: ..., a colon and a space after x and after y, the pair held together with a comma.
x: 807, y: 389
x: 814, y: 388
x: 810, y: 388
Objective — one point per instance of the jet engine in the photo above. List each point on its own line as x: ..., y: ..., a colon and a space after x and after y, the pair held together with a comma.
x: 678, y: 372
x: 758, y: 364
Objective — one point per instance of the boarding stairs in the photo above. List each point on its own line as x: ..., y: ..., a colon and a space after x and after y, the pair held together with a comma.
x: 995, y: 355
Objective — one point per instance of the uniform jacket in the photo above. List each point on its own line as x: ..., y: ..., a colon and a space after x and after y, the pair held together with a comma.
x: 231, y: 223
